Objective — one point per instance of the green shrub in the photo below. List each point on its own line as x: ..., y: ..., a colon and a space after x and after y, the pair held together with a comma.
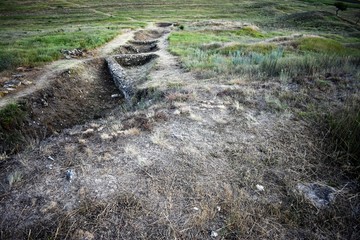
x: 269, y: 64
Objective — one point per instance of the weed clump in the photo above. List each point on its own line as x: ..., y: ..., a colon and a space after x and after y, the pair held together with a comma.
x: 12, y: 118
x: 344, y: 126
x: 8, y: 60
x: 250, y: 31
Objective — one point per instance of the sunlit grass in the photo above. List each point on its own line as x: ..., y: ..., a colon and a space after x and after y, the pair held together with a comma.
x: 228, y: 53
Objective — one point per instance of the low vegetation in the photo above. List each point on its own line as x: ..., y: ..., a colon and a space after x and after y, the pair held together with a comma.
x: 12, y: 120
x: 42, y: 48
x: 344, y: 128
x: 306, y: 56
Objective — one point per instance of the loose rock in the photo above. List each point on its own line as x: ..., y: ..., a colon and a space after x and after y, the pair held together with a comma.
x: 321, y: 196
x: 14, y: 83
x: 214, y: 234
x: 70, y: 175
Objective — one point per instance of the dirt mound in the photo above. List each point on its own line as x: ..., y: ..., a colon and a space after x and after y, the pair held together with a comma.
x: 164, y: 24
x: 145, y: 35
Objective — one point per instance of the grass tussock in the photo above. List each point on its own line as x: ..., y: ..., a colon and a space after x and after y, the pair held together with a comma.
x: 250, y: 31
x: 344, y: 127
x: 12, y: 119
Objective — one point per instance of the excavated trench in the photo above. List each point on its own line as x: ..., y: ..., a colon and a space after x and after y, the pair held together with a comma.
x: 74, y: 96
x: 137, y: 48
x: 85, y: 92
x: 146, y: 35
x: 130, y: 67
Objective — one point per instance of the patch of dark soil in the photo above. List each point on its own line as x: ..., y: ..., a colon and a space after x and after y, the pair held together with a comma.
x: 130, y: 60
x: 145, y: 42
x: 75, y: 96
x: 308, y: 16
x: 164, y: 24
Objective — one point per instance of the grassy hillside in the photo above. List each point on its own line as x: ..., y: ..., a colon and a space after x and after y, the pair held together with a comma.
x: 34, y: 32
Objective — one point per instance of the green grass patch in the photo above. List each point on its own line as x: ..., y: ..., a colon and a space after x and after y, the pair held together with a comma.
x: 263, y: 60
x: 184, y: 43
x: 323, y: 45
x: 29, y: 28
x: 34, y: 50
x: 249, y: 31
x: 195, y: 38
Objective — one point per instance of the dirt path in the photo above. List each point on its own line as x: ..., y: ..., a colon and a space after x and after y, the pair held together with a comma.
x: 168, y: 69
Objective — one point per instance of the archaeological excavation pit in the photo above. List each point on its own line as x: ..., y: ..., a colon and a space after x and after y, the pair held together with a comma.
x: 137, y: 48
x: 146, y: 35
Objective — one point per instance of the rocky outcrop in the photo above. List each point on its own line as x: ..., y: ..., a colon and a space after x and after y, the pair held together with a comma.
x: 321, y: 196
